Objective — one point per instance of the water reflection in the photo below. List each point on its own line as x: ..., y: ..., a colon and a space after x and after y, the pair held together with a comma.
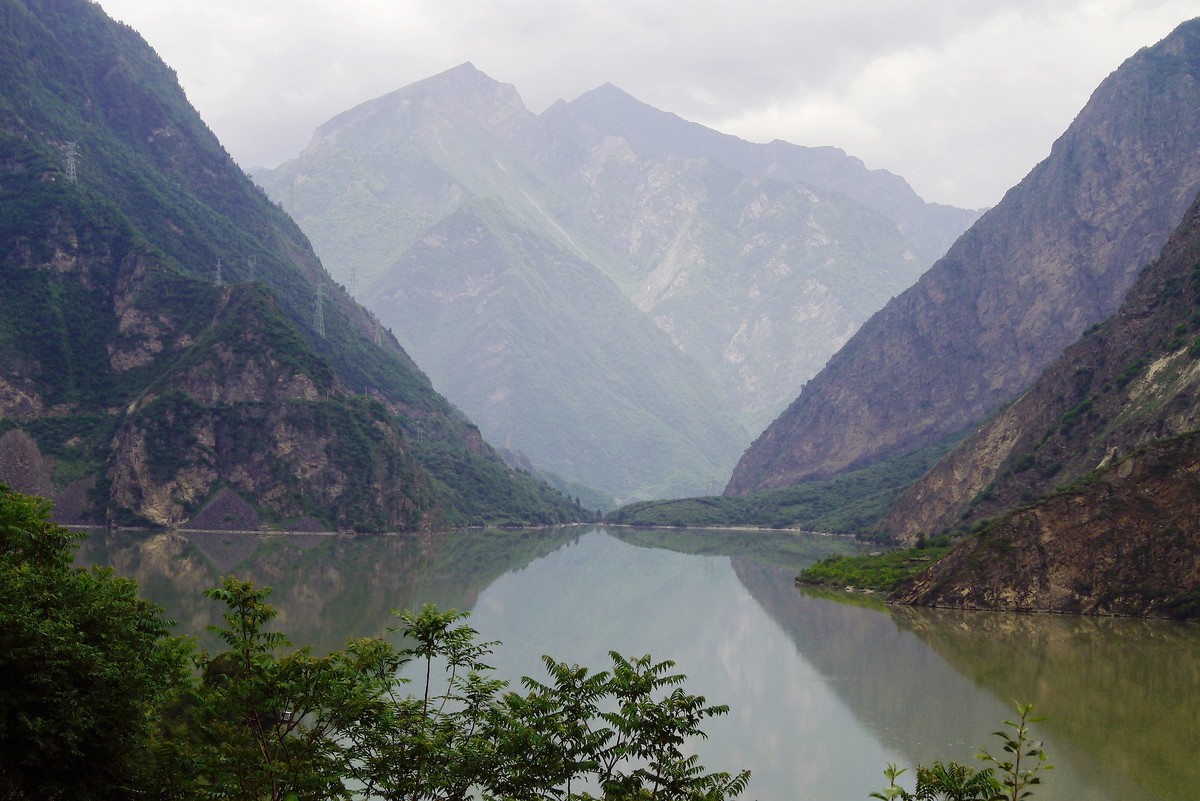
x: 1120, y: 696
x: 822, y: 693
x: 327, y: 588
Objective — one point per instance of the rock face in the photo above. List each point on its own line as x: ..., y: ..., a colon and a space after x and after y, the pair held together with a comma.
x: 244, y: 410
x: 168, y: 340
x: 499, y: 244
x: 1126, y: 542
x: 1127, y: 383
x: 1114, y: 425
x: 1055, y: 256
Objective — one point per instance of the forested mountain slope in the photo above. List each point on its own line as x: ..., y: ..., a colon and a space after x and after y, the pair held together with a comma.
x: 169, y: 339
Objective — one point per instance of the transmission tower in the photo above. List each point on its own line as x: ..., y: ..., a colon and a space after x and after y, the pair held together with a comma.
x: 220, y: 281
x: 376, y: 329
x: 252, y: 264
x: 352, y: 282
x: 319, y: 315
x: 72, y: 154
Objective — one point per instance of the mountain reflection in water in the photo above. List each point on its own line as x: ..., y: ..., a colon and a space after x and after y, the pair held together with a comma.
x: 822, y: 693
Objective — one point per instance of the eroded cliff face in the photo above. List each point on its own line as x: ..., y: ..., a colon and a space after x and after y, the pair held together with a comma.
x: 1124, y: 542
x: 1128, y: 382
x: 300, y: 463
x: 245, y: 407
x: 134, y: 395
x: 1056, y: 255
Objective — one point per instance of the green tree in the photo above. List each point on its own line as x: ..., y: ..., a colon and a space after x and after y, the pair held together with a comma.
x: 1009, y: 779
x: 85, y: 666
x: 267, y: 724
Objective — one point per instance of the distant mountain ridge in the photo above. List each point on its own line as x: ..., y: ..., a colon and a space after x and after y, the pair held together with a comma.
x: 1056, y: 255
x: 171, y: 350
x: 652, y: 133
x: 752, y: 278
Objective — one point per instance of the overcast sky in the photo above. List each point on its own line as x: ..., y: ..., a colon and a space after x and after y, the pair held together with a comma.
x: 961, y: 97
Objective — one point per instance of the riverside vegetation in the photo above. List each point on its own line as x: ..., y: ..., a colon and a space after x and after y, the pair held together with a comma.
x: 102, y: 702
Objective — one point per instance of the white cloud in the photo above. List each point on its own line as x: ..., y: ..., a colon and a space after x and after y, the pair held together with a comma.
x: 961, y: 98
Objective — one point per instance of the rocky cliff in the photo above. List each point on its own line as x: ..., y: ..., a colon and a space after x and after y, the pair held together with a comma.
x: 1084, y: 494
x: 1055, y: 256
x: 170, y: 347
x: 1124, y: 542
x: 1125, y: 384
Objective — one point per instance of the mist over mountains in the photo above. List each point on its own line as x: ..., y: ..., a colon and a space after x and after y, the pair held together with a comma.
x: 1056, y: 255
x: 621, y: 294
x: 171, y: 349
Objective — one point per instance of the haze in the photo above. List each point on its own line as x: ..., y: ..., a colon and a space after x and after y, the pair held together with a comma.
x: 961, y: 98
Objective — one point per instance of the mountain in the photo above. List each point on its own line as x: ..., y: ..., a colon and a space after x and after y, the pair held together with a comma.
x: 1084, y: 492
x: 751, y: 276
x: 1056, y: 255
x: 1126, y: 384
x: 578, y: 387
x: 655, y: 134
x: 171, y: 349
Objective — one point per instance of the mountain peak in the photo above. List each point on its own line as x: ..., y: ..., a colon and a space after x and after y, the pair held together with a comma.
x: 464, y: 94
x: 1057, y: 254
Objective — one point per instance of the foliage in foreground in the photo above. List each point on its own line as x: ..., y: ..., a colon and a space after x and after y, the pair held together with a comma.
x: 82, y: 662
x: 270, y: 725
x: 99, y: 703
x: 1009, y: 776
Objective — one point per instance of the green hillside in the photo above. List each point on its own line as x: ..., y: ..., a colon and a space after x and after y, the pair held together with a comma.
x: 129, y: 278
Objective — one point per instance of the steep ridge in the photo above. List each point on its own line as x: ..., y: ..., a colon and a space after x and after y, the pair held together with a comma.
x: 1125, y: 384
x: 755, y: 277
x: 1114, y: 425
x: 571, y: 385
x: 655, y: 134
x: 171, y: 342
x: 1055, y: 256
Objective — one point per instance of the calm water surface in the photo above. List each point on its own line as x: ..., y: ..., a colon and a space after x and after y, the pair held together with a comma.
x: 823, y: 693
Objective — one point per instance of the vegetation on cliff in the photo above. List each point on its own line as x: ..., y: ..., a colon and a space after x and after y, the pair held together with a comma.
x: 1055, y: 256
x: 169, y: 334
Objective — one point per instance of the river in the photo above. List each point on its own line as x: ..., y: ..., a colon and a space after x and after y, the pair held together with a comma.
x: 823, y: 692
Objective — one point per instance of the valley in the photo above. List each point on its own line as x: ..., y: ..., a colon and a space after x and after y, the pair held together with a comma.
x: 604, y: 378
